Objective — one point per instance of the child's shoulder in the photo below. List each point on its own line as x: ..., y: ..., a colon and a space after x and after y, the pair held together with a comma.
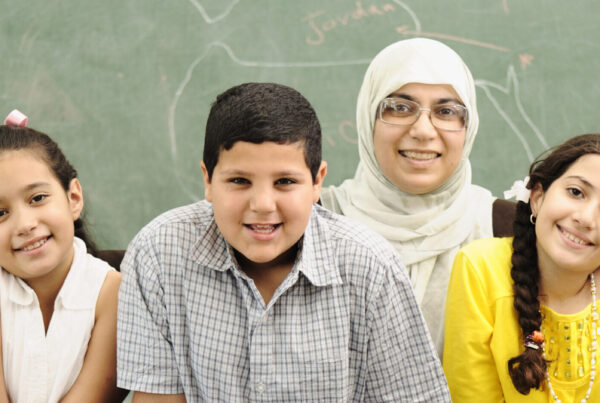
x: 195, y: 215
x: 345, y: 236
x: 186, y: 232
x: 485, y: 247
x: 109, y: 292
x: 85, y: 263
x: 357, y: 256
x: 87, y: 276
x: 197, y: 212
x: 487, y: 261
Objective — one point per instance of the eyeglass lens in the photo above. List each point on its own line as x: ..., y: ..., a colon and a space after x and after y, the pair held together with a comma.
x: 402, y: 112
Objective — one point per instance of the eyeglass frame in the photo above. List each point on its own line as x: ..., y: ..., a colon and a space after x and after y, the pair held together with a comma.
x: 418, y: 114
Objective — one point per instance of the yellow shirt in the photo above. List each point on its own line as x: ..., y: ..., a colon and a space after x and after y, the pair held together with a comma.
x: 482, y: 334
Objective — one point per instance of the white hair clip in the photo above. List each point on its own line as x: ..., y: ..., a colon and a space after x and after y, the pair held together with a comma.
x: 519, y: 191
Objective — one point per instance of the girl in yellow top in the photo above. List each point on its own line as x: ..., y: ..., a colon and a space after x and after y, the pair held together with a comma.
x: 521, y: 315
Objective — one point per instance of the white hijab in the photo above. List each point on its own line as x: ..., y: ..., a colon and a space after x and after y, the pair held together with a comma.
x: 421, y: 227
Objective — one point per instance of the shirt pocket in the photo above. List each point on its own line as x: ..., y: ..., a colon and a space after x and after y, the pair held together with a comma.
x: 319, y: 353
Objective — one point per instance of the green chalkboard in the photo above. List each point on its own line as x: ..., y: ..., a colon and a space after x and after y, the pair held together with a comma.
x: 125, y: 86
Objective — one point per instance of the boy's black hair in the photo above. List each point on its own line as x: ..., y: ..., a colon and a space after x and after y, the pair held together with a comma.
x: 259, y: 112
x: 24, y: 138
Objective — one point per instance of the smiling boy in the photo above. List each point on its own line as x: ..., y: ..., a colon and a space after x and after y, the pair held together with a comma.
x: 259, y: 294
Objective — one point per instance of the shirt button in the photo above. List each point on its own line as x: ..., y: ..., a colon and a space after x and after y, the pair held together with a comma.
x: 260, y: 387
x: 264, y: 319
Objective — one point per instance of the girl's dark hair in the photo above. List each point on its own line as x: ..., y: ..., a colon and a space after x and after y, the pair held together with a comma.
x: 528, y: 369
x: 25, y: 138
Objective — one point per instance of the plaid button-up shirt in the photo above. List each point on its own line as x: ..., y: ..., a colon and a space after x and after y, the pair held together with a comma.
x: 343, y: 326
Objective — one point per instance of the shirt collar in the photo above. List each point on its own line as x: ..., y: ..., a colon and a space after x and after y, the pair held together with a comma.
x: 18, y: 290
x: 211, y: 250
x: 69, y: 296
x: 316, y: 262
x: 75, y: 292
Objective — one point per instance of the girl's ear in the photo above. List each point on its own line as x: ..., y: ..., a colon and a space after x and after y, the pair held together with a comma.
x: 536, y: 199
x: 75, y: 197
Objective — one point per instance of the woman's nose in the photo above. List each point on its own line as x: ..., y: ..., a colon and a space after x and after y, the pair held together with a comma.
x: 423, y: 129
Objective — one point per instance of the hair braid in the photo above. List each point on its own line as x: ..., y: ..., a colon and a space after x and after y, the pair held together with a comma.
x: 528, y: 369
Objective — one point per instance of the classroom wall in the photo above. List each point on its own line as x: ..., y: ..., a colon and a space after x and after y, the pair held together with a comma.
x: 125, y: 86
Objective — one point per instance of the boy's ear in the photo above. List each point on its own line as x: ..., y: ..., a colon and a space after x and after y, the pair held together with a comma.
x: 536, y: 199
x: 318, y: 184
x: 207, y: 195
x: 75, y: 197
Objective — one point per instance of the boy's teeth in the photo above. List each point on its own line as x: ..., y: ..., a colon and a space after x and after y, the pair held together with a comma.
x: 263, y: 228
x: 35, y: 245
x: 419, y: 156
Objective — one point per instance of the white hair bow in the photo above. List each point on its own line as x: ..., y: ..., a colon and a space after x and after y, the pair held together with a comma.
x: 16, y: 118
x: 519, y: 191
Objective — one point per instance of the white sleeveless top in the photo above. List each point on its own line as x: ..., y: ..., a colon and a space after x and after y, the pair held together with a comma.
x: 40, y: 367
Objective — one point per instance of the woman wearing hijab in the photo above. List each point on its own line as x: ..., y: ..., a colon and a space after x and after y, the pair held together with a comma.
x: 416, y: 121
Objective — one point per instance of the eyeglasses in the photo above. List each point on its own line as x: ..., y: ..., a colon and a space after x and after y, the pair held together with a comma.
x: 402, y: 112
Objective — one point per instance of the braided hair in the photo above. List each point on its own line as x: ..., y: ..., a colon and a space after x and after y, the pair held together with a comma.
x: 21, y: 138
x: 528, y: 369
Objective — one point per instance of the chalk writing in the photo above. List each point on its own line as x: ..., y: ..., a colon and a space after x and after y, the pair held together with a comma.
x: 343, y: 127
x: 405, y: 31
x: 319, y: 23
x: 525, y: 59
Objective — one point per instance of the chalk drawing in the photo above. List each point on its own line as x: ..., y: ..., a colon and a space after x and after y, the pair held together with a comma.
x: 512, y: 85
x: 207, y: 18
x: 246, y: 63
x: 405, y: 31
x: 526, y: 60
x: 27, y: 42
x: 488, y: 87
